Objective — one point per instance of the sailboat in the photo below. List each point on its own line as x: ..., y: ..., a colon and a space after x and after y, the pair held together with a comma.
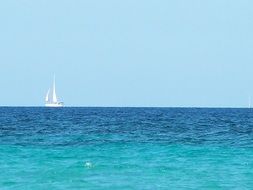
x: 51, y: 98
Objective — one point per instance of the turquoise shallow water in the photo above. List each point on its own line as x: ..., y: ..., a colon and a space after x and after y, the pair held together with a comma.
x: 126, y: 148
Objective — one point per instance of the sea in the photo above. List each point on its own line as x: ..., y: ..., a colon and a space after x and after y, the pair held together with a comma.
x: 125, y: 148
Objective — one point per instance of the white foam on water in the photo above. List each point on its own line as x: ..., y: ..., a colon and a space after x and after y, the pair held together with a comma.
x: 88, y: 164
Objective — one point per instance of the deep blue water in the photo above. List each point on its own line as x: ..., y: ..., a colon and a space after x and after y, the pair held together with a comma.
x: 126, y: 148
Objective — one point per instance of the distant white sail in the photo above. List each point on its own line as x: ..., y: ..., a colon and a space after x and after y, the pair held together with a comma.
x: 54, y: 92
x: 47, y: 96
x: 51, y: 98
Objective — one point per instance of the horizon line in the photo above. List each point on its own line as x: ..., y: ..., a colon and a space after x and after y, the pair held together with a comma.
x: 187, y: 107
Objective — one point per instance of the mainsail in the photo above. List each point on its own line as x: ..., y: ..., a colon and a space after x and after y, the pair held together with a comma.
x: 54, y: 93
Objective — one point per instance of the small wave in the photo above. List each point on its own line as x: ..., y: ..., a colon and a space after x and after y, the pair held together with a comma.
x: 88, y: 165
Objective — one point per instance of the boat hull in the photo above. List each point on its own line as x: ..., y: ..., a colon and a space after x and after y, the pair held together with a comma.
x: 55, y: 105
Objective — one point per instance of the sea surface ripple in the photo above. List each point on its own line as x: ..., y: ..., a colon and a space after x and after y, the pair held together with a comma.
x: 126, y: 148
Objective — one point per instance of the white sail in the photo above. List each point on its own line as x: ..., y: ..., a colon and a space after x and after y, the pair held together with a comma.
x: 54, y: 92
x: 51, y: 98
x: 47, y: 96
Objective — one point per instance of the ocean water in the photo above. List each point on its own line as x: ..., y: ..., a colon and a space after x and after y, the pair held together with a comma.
x: 126, y: 148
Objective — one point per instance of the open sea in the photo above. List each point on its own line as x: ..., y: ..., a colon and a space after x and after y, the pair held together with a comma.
x: 125, y: 148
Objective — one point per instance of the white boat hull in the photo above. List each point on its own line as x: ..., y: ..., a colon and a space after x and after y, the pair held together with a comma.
x: 54, y: 105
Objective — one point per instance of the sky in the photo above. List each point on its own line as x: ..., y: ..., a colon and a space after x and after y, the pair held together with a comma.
x: 183, y: 53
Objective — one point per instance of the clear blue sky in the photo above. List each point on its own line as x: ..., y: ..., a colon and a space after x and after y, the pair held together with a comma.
x: 127, y: 53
